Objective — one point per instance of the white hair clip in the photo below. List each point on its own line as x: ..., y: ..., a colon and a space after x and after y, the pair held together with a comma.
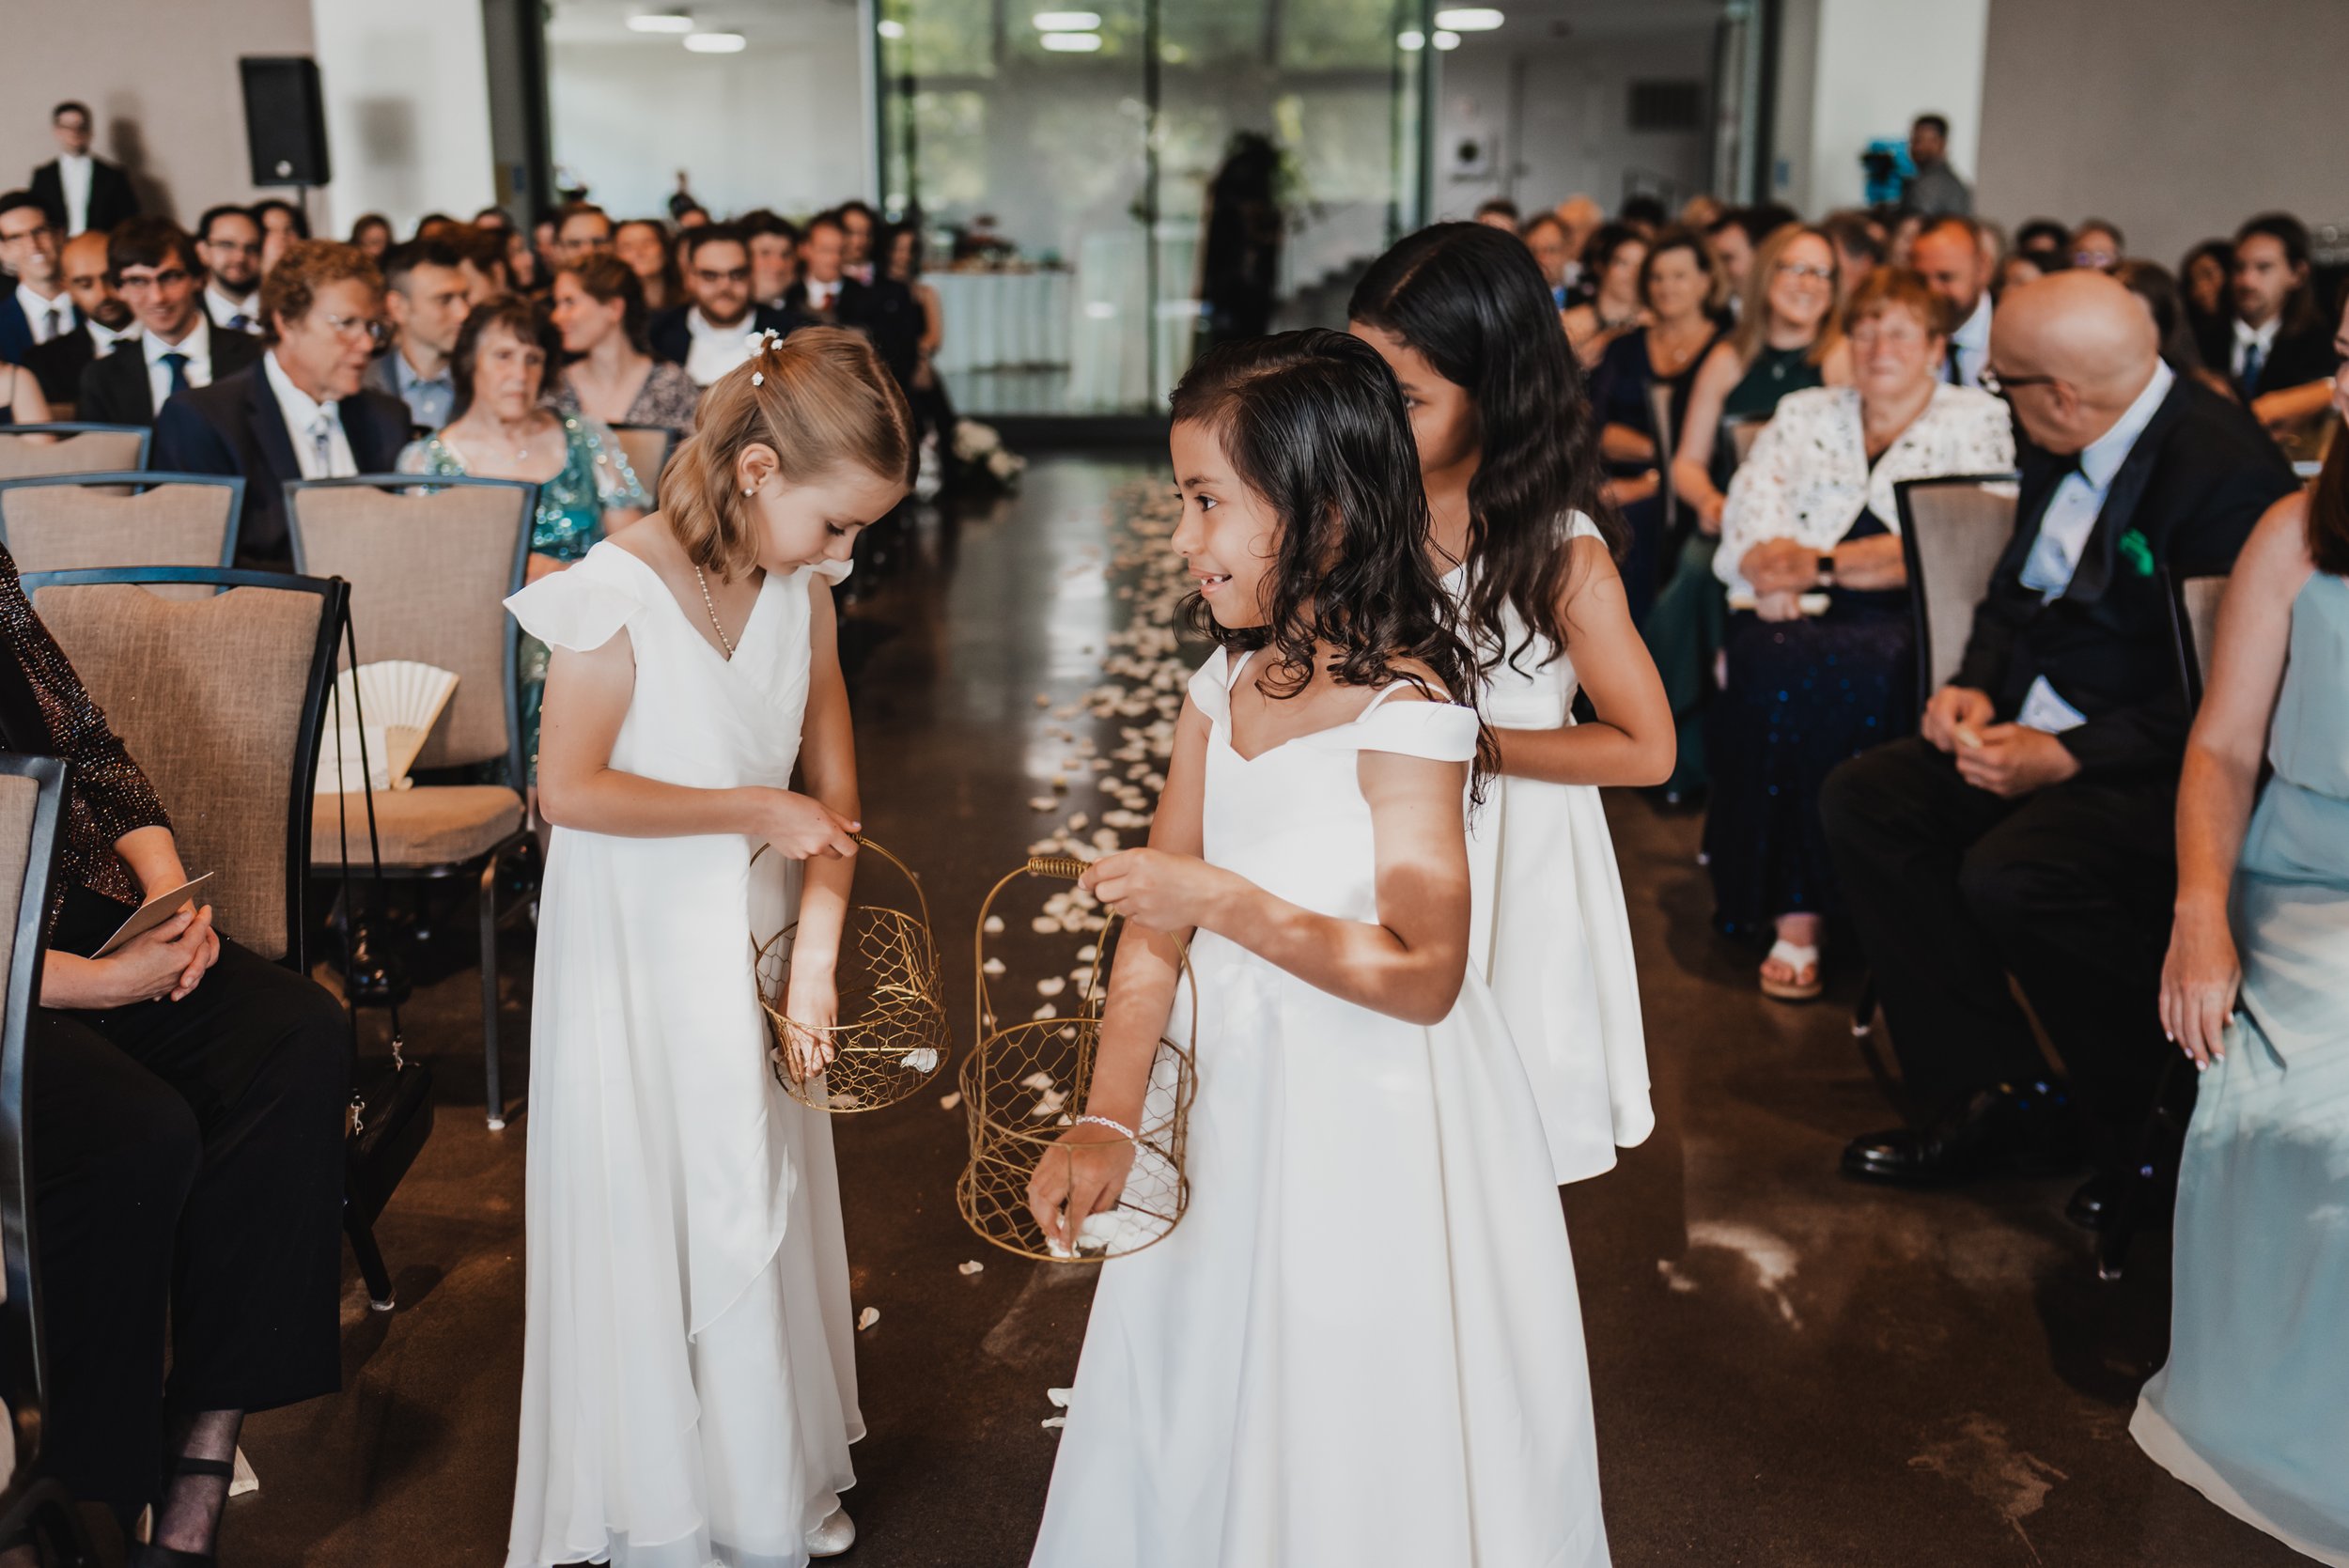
x: 757, y: 379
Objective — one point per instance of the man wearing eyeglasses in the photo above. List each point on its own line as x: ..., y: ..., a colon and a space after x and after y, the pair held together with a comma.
x: 37, y: 309
x: 302, y: 413
x: 710, y: 336
x: 152, y: 263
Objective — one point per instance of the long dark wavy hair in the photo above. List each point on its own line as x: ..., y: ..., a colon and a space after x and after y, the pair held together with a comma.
x: 1313, y: 424
x: 1469, y: 297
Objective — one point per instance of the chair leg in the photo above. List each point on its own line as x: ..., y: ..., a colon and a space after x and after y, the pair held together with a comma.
x: 494, y: 1092
x: 370, y: 1256
x: 2137, y: 1181
x: 1864, y: 1013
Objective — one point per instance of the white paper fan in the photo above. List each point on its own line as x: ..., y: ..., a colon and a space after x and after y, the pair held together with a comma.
x: 402, y: 698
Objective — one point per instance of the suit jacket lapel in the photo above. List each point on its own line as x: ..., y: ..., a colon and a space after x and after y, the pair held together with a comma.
x: 269, y: 430
x: 2093, y: 574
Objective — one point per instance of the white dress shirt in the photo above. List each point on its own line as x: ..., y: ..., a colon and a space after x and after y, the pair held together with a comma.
x: 1971, y: 344
x: 2246, y: 337
x: 102, y: 342
x: 73, y: 172
x: 715, y: 349
x: 1808, y: 477
x: 226, y: 309
x: 822, y: 295
x: 2064, y: 528
x: 197, y: 345
x: 47, y: 318
x: 320, y: 445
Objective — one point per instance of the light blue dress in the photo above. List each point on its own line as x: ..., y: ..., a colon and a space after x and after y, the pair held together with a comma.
x: 2253, y: 1408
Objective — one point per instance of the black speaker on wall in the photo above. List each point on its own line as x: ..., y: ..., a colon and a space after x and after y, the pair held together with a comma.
x: 285, y: 119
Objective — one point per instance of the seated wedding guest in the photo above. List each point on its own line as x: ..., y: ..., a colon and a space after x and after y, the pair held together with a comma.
x: 1858, y: 241
x: 581, y: 229
x: 883, y: 310
x: 1499, y: 212
x: 372, y: 234
x: 644, y: 246
x: 426, y: 300
x: 2026, y: 830
x: 2204, y: 278
x: 1644, y: 214
x: 82, y: 193
x: 38, y: 308
x: 710, y: 336
x: 521, y: 264
x: 435, y: 226
x: 1732, y: 250
x: 1544, y: 236
x: 545, y: 246
x: 499, y: 430
x: 2097, y: 245
x: 1786, y: 340
x: 1948, y: 254
x: 774, y: 255
x: 105, y: 322
x: 481, y: 259
x: 691, y: 215
x: 1680, y: 285
x: 302, y: 413
x: 1700, y: 211
x: 1934, y: 191
x: 184, y: 1101
x: 493, y: 217
x: 2252, y: 1409
x: 1812, y: 512
x: 282, y: 224
x: 2282, y: 359
x: 24, y: 402
x: 228, y: 243
x: 2158, y: 291
x: 900, y: 252
x: 1581, y: 218
x: 2047, y: 243
x: 1610, y: 268
x: 177, y: 347
x: 1902, y: 238
x: 611, y: 374
x: 858, y: 224
x: 2014, y: 270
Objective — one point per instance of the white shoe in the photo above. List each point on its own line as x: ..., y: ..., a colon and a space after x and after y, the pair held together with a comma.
x: 836, y: 1535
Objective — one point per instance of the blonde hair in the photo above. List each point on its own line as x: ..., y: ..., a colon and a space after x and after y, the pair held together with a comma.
x: 820, y: 398
x: 1753, y: 321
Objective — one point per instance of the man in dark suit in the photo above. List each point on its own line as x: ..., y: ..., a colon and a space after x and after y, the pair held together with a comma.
x: 302, y: 413
x: 709, y: 337
x: 152, y: 261
x: 80, y: 193
x: 38, y: 308
x: 2280, y: 361
x: 883, y: 310
x: 105, y: 322
x: 2029, y: 830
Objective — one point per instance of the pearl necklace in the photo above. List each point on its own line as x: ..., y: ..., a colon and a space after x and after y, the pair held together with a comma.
x: 707, y: 604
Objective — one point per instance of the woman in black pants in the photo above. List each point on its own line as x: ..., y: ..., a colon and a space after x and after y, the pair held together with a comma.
x: 184, y: 1123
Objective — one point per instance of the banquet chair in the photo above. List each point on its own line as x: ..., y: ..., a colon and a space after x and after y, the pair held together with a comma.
x: 1739, y: 432
x: 1660, y: 403
x: 647, y: 448
x: 430, y: 564
x: 61, y: 521
x: 32, y: 1508
x: 1954, y: 529
x: 63, y: 447
x: 2193, y: 633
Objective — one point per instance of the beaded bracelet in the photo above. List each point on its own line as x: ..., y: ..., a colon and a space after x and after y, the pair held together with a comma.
x: 1118, y: 1127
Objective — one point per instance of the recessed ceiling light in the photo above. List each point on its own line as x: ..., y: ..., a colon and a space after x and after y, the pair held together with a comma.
x: 1410, y: 41
x: 1469, y: 18
x: 1071, y: 43
x: 1446, y: 40
x: 661, y: 21
x: 716, y: 43
x: 891, y: 29
x: 1067, y: 22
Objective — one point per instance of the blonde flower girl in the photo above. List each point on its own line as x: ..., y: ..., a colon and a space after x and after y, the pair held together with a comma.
x: 689, y: 1386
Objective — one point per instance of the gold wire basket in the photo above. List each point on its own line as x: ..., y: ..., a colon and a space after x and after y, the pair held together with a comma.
x: 893, y: 1036
x: 1026, y: 1083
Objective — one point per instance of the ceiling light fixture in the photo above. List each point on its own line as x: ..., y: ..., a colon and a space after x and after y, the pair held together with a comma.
x: 1469, y: 18
x: 1067, y: 22
x: 1446, y: 40
x: 1072, y: 44
x: 661, y: 21
x: 716, y: 43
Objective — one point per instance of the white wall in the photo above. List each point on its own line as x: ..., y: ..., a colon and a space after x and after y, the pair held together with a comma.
x: 407, y: 111
x: 1576, y: 119
x: 783, y: 124
x: 160, y: 77
x: 1873, y: 66
x: 2172, y: 118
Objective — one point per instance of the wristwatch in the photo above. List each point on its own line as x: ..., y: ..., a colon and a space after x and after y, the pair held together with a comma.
x: 1826, y: 571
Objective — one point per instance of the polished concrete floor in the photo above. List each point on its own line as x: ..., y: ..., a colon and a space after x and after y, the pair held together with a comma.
x: 1789, y: 1369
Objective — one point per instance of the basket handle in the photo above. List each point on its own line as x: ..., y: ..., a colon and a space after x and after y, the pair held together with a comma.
x: 1067, y: 868
x: 920, y: 897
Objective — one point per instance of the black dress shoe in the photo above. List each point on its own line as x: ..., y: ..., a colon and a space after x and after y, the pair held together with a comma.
x: 2026, y: 1129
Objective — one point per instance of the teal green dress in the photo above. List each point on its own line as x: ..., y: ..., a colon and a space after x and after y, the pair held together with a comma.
x: 595, y: 478
x: 2253, y: 1408
x: 1690, y: 617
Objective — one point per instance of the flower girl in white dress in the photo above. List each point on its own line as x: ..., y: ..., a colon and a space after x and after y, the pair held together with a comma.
x: 1362, y: 1345
x: 689, y: 1384
x: 1508, y: 450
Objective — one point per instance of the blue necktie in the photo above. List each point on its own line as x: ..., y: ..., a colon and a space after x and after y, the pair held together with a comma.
x: 2253, y: 362
x: 241, y: 322
x: 178, y: 365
